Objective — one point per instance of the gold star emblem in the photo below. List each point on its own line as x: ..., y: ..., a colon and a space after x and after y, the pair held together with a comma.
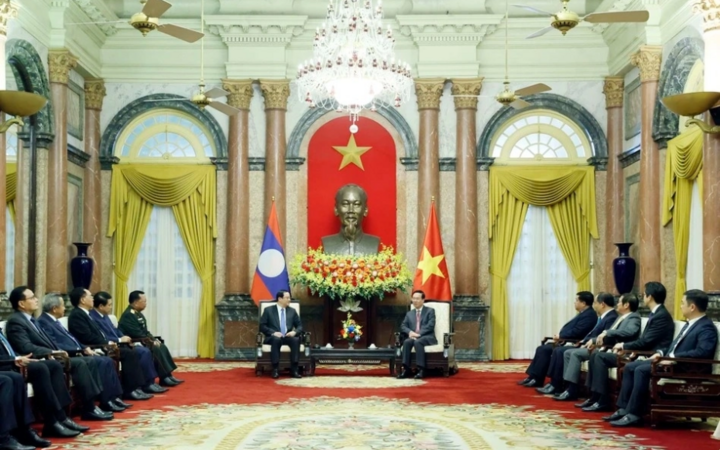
x: 351, y: 153
x: 430, y: 265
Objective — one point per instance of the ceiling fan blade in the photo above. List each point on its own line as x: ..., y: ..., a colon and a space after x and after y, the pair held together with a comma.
x: 224, y: 108
x: 519, y: 104
x: 540, y: 33
x: 155, y: 8
x: 534, y: 89
x: 535, y: 10
x: 618, y: 17
x: 181, y: 33
x: 216, y: 92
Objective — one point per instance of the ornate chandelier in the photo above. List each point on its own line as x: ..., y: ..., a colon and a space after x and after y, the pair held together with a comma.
x: 353, y: 65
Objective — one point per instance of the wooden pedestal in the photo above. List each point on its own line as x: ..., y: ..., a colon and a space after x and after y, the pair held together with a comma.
x: 332, y: 323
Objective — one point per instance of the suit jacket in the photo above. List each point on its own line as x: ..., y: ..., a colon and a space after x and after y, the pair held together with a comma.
x: 25, y: 339
x: 134, y: 324
x: 7, y: 362
x: 580, y: 325
x: 85, y: 329
x: 106, y: 326
x: 60, y: 339
x: 270, y: 321
x: 658, y: 333
x: 699, y: 342
x: 628, y: 330
x: 603, y: 324
x: 427, y: 323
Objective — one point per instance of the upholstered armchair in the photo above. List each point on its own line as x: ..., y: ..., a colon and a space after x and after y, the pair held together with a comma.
x: 262, y: 350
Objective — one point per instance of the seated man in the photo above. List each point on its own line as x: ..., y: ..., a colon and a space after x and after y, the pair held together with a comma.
x: 106, y: 331
x: 625, y: 328
x: 133, y: 324
x: 51, y: 394
x: 419, y: 327
x: 657, y: 334
x: 604, y: 307
x: 697, y: 340
x: 576, y: 328
x: 26, y: 337
x: 281, y: 326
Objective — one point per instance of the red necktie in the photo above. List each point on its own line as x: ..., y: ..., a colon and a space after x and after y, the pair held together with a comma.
x: 417, y: 322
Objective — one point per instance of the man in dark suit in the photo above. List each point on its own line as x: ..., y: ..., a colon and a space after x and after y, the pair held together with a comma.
x: 281, y: 326
x: 697, y: 340
x: 26, y: 337
x: 604, y: 307
x: 133, y: 324
x: 419, y: 329
x: 51, y: 394
x: 658, y: 333
x: 625, y: 328
x: 575, y: 329
x: 105, y: 330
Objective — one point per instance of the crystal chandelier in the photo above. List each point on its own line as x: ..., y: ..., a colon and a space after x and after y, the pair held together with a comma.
x: 353, y: 65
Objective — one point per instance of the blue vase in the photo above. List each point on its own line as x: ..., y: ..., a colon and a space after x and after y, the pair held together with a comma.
x: 624, y: 269
x: 81, y: 266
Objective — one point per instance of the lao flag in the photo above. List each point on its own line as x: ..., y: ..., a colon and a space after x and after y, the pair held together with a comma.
x: 271, y: 274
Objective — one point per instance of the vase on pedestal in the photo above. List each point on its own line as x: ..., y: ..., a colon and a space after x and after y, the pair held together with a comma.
x: 81, y: 266
x: 624, y: 269
x: 351, y: 345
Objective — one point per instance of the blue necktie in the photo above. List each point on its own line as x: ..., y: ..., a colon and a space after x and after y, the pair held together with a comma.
x: 283, y: 322
x: 67, y: 333
x: 7, y: 346
x: 677, y: 339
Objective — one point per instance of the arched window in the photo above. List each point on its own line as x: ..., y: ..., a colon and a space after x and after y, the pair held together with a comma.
x: 540, y: 137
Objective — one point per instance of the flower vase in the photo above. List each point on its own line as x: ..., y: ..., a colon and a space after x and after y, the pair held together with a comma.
x: 351, y: 345
x: 624, y: 269
x: 81, y: 266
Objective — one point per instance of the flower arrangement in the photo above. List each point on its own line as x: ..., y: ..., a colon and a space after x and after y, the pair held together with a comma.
x: 350, y: 330
x: 343, y: 276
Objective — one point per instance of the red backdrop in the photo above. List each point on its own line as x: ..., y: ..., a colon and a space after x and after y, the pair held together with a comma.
x: 378, y: 179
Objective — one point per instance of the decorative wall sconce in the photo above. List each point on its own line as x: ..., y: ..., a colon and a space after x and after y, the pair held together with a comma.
x: 694, y: 104
x: 19, y: 104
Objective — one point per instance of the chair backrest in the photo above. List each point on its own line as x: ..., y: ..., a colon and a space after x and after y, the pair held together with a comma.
x: 678, y: 327
x: 3, y: 324
x: 716, y: 367
x: 643, y: 324
x: 113, y: 319
x: 294, y: 304
x: 443, y: 317
x: 64, y: 322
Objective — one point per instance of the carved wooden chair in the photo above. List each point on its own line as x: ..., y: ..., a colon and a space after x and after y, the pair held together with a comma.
x: 262, y: 350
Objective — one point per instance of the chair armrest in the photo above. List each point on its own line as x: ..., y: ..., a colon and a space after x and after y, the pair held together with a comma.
x: 146, y: 341
x: 692, y: 368
x: 305, y: 339
x: 62, y: 356
x: 448, y: 339
x: 546, y: 339
x: 397, y: 340
x: 111, y: 350
x: 259, y: 338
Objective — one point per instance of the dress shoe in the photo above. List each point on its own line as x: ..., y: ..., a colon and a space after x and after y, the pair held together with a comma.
x: 420, y: 375
x: 9, y: 443
x: 154, y: 389
x: 295, y: 374
x: 565, y: 397
x: 71, y: 425
x: 628, y: 420
x: 585, y: 404
x: 546, y: 390
x: 58, y: 430
x: 96, y: 414
x: 404, y: 374
x: 138, y: 394
x: 119, y: 402
x: 111, y: 407
x: 523, y: 382
x: 31, y: 438
x: 597, y: 407
x: 532, y: 383
x: 168, y: 382
x: 617, y: 415
x: 177, y: 380
x: 275, y: 374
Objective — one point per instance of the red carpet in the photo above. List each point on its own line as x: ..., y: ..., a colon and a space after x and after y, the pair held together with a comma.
x: 241, y: 386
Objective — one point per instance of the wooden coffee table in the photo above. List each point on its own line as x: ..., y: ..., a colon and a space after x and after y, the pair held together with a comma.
x: 343, y: 356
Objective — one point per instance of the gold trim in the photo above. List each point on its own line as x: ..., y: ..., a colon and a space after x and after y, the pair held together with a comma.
x: 648, y: 59
x: 466, y: 92
x: 241, y: 93
x: 276, y: 93
x: 428, y: 92
x: 94, y: 93
x: 614, y: 90
x: 60, y: 62
x: 7, y: 11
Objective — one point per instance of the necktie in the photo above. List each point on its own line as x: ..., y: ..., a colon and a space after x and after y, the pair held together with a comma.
x: 679, y: 338
x: 34, y: 323
x: 7, y: 346
x: 283, y: 322
x: 417, y: 321
x: 617, y: 322
x: 67, y: 333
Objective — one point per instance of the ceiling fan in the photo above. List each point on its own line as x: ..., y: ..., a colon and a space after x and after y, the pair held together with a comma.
x: 565, y: 20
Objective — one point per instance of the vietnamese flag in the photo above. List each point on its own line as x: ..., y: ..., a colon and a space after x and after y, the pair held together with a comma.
x: 432, y: 276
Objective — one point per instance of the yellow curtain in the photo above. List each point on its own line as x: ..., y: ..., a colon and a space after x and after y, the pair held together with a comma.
x: 11, y: 188
x: 569, y: 194
x: 683, y: 166
x: 191, y: 191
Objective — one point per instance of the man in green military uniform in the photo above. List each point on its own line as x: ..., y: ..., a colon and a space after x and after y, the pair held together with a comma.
x: 132, y: 323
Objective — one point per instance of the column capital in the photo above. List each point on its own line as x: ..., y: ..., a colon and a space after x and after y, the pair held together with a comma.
x: 276, y: 93
x: 60, y: 63
x: 466, y: 91
x: 241, y: 93
x: 710, y: 11
x: 94, y: 93
x: 614, y: 89
x: 7, y: 11
x: 648, y: 59
x: 428, y: 92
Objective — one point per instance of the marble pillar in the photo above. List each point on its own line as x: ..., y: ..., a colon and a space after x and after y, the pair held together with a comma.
x: 237, y: 280
x: 648, y: 60
x: 428, y: 92
x: 710, y: 11
x: 614, y: 90
x: 467, y: 278
x: 92, y: 182
x: 7, y: 11
x: 276, y: 93
x: 60, y: 63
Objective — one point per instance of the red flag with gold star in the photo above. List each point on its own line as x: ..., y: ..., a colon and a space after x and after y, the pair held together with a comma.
x: 432, y: 275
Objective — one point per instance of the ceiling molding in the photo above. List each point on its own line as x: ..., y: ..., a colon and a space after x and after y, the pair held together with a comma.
x: 98, y: 11
x: 256, y: 29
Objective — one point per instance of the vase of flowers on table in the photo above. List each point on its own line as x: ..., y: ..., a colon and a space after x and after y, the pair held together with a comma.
x: 350, y: 331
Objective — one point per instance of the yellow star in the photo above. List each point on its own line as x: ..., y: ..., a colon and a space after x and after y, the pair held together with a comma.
x: 430, y: 265
x: 351, y: 153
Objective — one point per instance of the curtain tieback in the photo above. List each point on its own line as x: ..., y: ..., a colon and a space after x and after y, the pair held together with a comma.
x: 122, y: 277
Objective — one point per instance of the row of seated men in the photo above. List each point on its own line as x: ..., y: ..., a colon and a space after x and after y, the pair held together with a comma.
x: 39, y: 343
x: 604, y: 329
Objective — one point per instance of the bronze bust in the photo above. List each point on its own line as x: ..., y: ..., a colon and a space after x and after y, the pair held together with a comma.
x: 351, y: 208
